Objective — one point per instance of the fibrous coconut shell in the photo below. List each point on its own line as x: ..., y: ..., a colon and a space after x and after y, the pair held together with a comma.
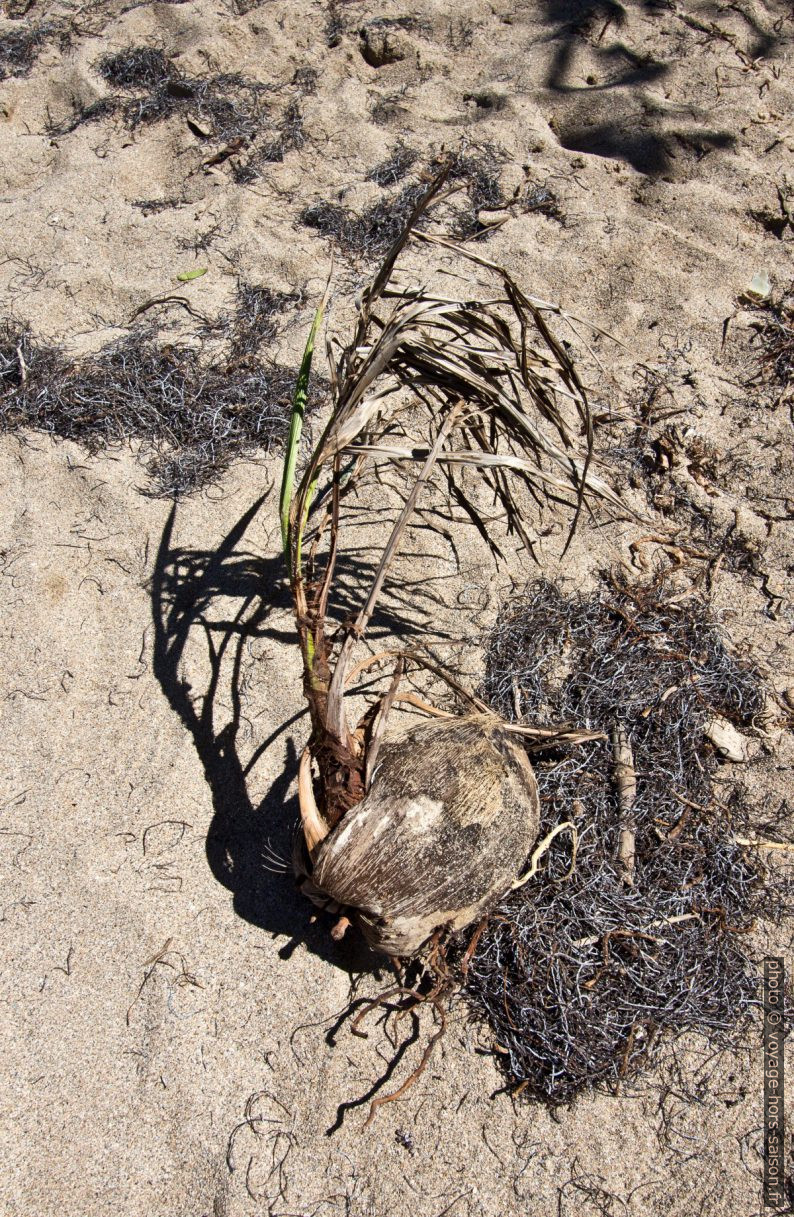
x: 445, y: 827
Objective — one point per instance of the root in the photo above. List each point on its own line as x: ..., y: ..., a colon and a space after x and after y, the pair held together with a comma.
x: 542, y: 849
x: 405, y: 999
x: 430, y: 1048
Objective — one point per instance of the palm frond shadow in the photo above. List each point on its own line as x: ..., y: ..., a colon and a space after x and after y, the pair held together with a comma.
x: 208, y: 607
x: 611, y: 117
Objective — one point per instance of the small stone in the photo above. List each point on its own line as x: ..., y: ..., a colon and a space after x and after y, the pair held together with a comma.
x: 199, y: 128
x: 730, y: 743
x: 492, y: 217
x: 758, y: 289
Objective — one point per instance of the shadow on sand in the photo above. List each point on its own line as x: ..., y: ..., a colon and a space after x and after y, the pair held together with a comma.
x: 612, y: 116
x: 208, y: 607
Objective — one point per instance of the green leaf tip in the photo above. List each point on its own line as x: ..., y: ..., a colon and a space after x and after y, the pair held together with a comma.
x: 299, y: 400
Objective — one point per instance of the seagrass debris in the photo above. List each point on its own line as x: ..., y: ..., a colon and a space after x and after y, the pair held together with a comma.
x: 193, y: 406
x: 578, y: 974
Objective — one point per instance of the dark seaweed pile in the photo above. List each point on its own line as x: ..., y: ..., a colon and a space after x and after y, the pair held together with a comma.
x: 193, y: 406
x: 21, y: 47
x: 372, y: 232
x: 775, y: 342
x: 151, y: 87
x: 577, y: 976
x: 234, y: 116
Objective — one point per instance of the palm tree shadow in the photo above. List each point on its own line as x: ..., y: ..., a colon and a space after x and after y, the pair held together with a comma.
x: 612, y: 117
x: 208, y: 607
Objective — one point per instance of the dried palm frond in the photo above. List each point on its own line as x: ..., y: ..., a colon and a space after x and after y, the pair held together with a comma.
x: 445, y: 383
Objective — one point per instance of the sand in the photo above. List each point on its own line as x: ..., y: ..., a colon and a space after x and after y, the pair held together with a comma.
x: 166, y: 999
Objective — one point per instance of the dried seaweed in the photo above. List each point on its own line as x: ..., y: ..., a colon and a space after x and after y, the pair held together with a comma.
x: 254, y: 321
x: 775, y: 330
x: 288, y: 136
x: 577, y: 978
x: 478, y: 170
x: 241, y: 8
x: 137, y: 68
x: 334, y: 25
x: 228, y: 110
x: 370, y: 233
x: 387, y: 107
x: 192, y: 408
x: 544, y: 201
x: 20, y: 48
x: 96, y: 111
x: 394, y: 168
x: 305, y: 80
x: 154, y: 206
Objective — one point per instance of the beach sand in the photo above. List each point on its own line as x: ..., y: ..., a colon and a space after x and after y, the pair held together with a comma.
x: 167, y: 1002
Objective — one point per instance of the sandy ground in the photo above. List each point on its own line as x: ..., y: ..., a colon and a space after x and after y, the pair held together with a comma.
x: 166, y: 1002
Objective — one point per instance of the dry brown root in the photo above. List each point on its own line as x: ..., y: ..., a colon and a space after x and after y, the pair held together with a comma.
x: 420, y: 1068
x: 339, y: 928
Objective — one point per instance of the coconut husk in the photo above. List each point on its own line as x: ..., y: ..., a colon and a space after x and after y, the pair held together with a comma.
x: 446, y: 825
